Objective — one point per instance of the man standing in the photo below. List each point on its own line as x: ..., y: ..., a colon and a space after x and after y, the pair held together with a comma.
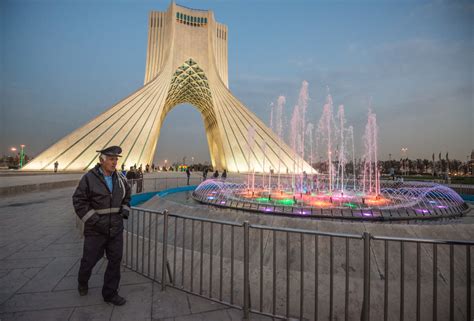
x: 188, y: 173
x: 102, y: 201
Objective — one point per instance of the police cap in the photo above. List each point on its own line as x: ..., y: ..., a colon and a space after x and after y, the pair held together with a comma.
x: 111, y: 151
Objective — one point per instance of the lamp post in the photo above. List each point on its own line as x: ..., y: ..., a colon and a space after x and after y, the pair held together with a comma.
x: 404, y: 155
x: 13, y: 150
x: 22, y: 156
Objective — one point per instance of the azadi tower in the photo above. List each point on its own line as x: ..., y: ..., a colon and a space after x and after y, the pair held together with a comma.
x: 186, y: 63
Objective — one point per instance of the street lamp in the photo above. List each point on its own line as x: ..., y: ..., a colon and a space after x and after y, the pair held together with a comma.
x: 13, y: 150
x: 404, y: 154
x: 22, y: 156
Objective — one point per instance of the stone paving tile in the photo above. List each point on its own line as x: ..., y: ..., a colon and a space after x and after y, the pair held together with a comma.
x: 11, y: 248
x: 75, y: 252
x: 50, y: 300
x: 4, y: 272
x: 219, y: 315
x: 71, y: 237
x: 65, y: 246
x: 25, y: 262
x: 44, y: 242
x: 198, y: 304
x: 31, y: 272
x: 92, y: 313
x: 137, y: 308
x: 44, y: 315
x: 96, y: 281
x: 228, y: 314
x: 11, y: 283
x: 169, y: 303
x: 75, y: 268
x: 177, y: 305
x: 237, y: 315
x: 49, y: 276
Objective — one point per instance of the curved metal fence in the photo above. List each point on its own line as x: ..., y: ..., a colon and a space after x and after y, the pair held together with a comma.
x: 304, y: 274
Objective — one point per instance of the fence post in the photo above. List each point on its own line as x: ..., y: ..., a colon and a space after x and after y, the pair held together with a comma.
x: 365, y: 316
x: 246, y: 271
x: 164, y: 256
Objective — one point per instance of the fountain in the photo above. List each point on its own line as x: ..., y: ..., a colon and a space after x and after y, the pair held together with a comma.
x: 338, y: 187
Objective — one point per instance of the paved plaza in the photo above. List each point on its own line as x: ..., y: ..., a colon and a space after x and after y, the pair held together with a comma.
x: 40, y: 250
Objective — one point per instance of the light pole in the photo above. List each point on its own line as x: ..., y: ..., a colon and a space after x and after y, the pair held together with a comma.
x: 13, y: 150
x: 22, y: 156
x: 404, y: 155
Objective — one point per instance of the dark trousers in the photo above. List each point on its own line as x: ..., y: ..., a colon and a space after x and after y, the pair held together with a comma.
x: 94, y: 247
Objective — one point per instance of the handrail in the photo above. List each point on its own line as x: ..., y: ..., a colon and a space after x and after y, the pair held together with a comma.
x: 310, y: 232
x: 203, y: 219
x: 422, y: 240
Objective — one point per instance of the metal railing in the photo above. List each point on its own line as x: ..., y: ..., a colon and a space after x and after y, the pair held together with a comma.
x: 295, y: 273
x: 153, y: 184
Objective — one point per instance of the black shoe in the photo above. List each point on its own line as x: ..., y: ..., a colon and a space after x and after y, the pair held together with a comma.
x: 83, y: 289
x: 116, y: 300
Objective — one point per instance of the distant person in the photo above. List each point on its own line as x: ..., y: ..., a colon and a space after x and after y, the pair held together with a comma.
x: 224, y: 175
x: 131, y: 173
x: 139, y: 176
x: 188, y: 174
x: 204, y: 174
x: 56, y: 165
x: 123, y: 167
x: 216, y: 174
x: 147, y: 168
x: 131, y: 176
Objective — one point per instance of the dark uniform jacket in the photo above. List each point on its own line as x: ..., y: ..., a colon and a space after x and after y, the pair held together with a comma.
x: 102, y: 211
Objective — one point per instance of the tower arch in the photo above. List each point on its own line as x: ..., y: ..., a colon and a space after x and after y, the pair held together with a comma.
x: 186, y: 63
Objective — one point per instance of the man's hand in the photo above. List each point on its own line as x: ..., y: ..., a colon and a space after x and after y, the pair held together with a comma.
x: 124, y: 212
